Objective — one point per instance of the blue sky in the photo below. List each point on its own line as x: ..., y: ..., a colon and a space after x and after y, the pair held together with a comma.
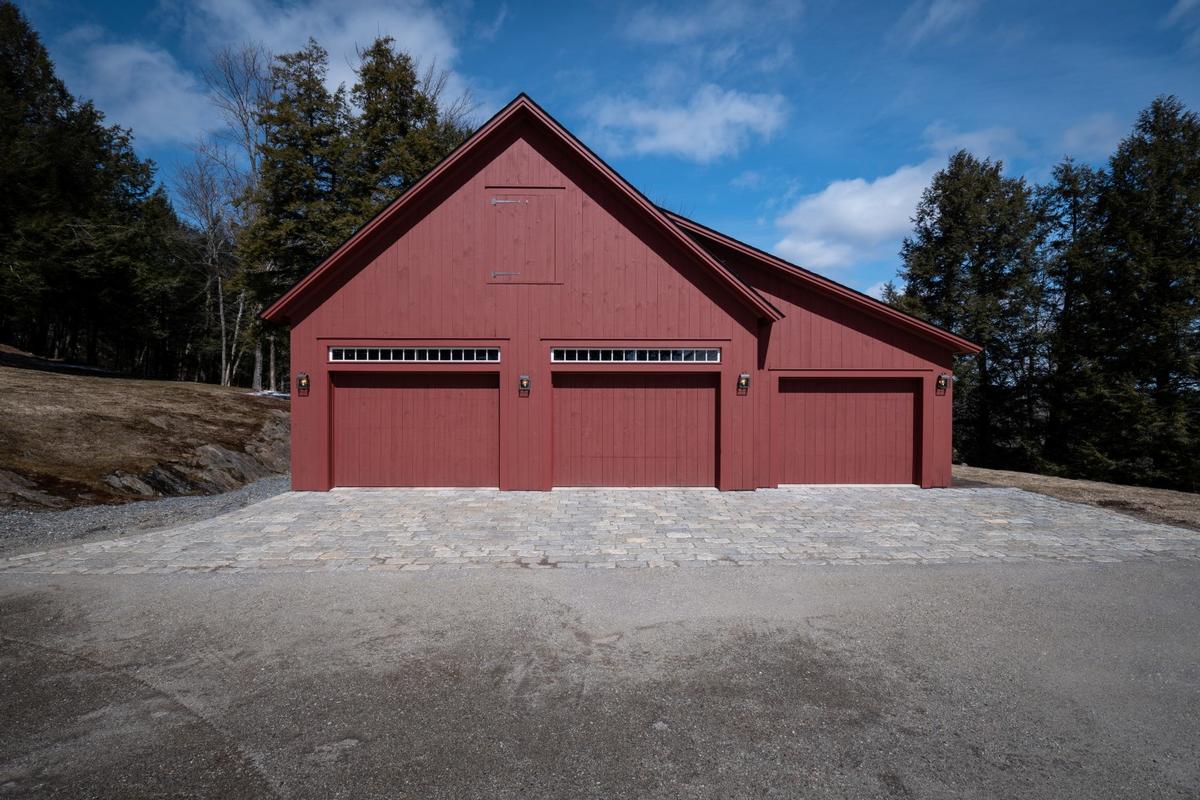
x: 805, y: 128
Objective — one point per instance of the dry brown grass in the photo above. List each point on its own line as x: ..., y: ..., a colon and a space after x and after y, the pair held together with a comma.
x: 65, y: 433
x: 1158, y: 505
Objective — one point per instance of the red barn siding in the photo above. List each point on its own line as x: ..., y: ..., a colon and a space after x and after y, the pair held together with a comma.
x: 415, y: 429
x: 638, y: 429
x: 599, y: 267
x: 821, y: 335
x: 849, y: 430
x: 617, y: 280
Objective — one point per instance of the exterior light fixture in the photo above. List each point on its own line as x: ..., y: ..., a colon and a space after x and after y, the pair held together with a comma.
x: 743, y: 383
x: 943, y: 381
x: 523, y: 384
x: 302, y: 384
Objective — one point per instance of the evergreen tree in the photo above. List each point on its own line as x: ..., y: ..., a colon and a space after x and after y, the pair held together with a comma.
x: 325, y: 170
x: 972, y: 266
x: 1142, y: 387
x: 1073, y: 252
x: 303, y: 203
x: 401, y: 131
x: 75, y: 241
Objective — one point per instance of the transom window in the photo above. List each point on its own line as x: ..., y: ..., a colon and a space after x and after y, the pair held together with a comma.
x: 604, y: 355
x: 414, y: 354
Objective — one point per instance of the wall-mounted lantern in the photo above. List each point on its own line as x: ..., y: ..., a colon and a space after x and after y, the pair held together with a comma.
x: 523, y: 384
x: 743, y: 383
x: 943, y: 381
x: 302, y: 384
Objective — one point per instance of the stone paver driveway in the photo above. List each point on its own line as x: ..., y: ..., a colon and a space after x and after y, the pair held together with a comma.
x: 413, y: 529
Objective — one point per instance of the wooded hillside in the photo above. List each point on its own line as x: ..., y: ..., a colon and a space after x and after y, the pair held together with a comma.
x: 101, y: 267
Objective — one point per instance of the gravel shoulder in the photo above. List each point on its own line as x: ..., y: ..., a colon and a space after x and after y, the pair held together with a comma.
x: 23, y: 530
x: 1156, y: 505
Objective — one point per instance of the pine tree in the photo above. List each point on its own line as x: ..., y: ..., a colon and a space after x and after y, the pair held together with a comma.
x: 401, y: 131
x: 73, y: 216
x: 1143, y: 388
x: 304, y: 202
x: 1073, y: 253
x: 972, y: 266
x: 325, y: 170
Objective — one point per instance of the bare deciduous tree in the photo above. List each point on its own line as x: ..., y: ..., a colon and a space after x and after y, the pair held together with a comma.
x: 206, y: 202
x: 458, y: 112
x: 239, y: 82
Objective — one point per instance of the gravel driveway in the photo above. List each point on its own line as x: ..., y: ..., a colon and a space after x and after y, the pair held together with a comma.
x: 24, y: 529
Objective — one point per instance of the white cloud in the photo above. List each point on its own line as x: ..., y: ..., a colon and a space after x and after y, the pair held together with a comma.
x: 928, y: 19
x: 136, y: 85
x: 652, y: 24
x: 1094, y: 136
x: 1180, y: 10
x: 142, y: 86
x: 993, y: 143
x: 341, y: 28
x: 1181, y: 15
x: 876, y: 290
x: 489, y: 32
x: 713, y: 123
x: 856, y: 220
x: 748, y: 179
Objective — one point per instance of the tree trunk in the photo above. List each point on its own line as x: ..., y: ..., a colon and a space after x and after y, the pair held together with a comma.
x: 235, y: 352
x: 221, y: 320
x: 983, y: 408
x: 271, y: 344
x: 256, y: 378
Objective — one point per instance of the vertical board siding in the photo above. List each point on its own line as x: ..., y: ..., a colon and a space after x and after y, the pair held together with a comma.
x: 615, y: 277
x: 415, y: 429
x: 822, y: 332
x: 635, y: 430
x: 848, y: 430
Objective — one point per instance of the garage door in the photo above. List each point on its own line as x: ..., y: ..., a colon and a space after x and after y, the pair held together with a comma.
x: 847, y: 431
x: 415, y: 429
x: 635, y: 430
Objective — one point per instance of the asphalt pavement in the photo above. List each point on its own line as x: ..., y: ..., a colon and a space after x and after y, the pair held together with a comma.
x: 954, y: 681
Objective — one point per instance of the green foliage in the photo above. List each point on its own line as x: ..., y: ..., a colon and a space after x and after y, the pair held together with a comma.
x: 971, y: 266
x: 95, y: 264
x: 302, y: 208
x: 1144, y: 339
x: 82, y: 227
x: 328, y: 165
x: 1084, y: 295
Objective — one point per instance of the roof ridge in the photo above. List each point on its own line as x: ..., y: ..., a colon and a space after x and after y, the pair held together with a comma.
x: 278, y: 311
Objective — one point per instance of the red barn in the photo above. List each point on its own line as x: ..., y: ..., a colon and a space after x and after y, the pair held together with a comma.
x: 524, y: 318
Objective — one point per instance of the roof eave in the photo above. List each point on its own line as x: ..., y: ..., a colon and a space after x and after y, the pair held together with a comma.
x: 927, y: 330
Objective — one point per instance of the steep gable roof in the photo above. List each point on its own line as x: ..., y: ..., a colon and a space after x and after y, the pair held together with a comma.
x: 826, y: 286
x: 522, y: 107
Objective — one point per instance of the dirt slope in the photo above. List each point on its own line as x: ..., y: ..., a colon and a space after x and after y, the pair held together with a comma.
x: 1157, y: 505
x: 70, y: 439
